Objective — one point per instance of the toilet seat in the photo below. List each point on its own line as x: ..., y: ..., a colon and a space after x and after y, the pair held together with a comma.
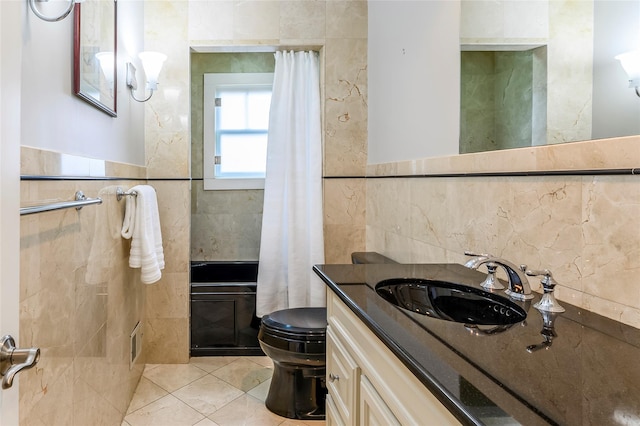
x: 301, y: 330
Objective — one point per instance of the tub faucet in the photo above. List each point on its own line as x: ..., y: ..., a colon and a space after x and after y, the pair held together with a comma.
x: 519, y: 287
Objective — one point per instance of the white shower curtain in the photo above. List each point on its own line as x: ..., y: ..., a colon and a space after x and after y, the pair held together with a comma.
x: 292, y: 240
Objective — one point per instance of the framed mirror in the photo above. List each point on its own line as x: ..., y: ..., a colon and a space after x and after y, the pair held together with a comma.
x: 94, y: 54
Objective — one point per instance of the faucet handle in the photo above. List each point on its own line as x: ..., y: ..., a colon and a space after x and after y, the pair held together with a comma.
x: 491, y: 282
x: 477, y: 259
x: 547, y: 281
x: 548, y: 302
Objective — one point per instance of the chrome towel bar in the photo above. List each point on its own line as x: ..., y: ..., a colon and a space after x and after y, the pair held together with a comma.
x: 80, y: 201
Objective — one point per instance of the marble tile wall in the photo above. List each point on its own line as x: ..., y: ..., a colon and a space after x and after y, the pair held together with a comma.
x: 79, y: 300
x: 167, y: 152
x: 166, y: 339
x: 225, y: 225
x: 496, y: 101
x: 345, y: 125
x: 582, y: 228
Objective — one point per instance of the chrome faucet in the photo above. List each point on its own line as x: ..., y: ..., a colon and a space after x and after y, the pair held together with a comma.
x: 519, y: 287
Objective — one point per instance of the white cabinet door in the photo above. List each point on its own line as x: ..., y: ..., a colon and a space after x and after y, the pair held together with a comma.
x: 373, y: 410
x: 343, y: 375
x: 333, y: 418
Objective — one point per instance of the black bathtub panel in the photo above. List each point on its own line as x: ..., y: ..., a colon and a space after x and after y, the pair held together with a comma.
x: 223, y: 320
x: 224, y: 271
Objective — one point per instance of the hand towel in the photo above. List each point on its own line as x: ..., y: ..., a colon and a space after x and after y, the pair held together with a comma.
x: 141, y: 224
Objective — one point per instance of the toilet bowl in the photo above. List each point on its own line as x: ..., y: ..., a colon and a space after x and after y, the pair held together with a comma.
x: 295, y: 340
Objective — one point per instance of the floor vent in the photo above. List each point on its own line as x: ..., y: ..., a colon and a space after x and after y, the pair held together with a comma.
x: 136, y: 344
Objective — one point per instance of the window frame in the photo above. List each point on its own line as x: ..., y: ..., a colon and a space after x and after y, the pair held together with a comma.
x: 211, y: 82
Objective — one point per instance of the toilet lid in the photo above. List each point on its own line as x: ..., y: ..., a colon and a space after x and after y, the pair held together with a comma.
x: 303, y: 321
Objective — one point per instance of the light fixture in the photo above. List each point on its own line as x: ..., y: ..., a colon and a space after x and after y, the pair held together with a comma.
x: 151, y: 64
x: 51, y: 18
x: 630, y: 61
x: 107, y: 66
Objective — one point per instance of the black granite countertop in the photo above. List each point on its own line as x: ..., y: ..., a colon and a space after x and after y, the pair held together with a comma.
x: 589, y: 374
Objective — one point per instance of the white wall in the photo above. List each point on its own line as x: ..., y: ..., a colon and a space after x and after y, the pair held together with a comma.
x: 52, y: 117
x: 414, y: 79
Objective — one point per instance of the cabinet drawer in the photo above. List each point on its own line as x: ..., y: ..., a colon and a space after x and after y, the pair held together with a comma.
x: 343, y: 375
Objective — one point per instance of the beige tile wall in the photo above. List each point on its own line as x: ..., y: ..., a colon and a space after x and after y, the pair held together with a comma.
x: 167, y: 311
x: 582, y: 228
x: 225, y: 225
x: 79, y: 300
x: 167, y: 146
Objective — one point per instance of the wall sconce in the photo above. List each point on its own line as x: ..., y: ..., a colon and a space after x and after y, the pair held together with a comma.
x: 151, y: 64
x: 48, y: 18
x: 630, y: 61
x: 106, y: 65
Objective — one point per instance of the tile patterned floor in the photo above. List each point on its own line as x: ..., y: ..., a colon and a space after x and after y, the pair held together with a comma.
x: 209, y: 391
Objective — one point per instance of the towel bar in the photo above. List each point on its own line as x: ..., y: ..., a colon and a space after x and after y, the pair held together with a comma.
x: 121, y: 193
x: 80, y: 201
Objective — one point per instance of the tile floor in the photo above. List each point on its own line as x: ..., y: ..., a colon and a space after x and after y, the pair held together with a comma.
x: 209, y: 391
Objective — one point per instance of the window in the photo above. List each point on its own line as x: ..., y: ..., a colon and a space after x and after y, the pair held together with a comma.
x: 236, y: 123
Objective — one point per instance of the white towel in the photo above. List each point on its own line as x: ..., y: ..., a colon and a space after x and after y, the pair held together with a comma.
x: 141, y: 224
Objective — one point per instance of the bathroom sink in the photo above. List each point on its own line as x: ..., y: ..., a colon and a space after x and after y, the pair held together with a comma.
x: 450, y: 301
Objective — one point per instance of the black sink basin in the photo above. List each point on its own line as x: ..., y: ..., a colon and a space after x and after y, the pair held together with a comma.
x: 450, y: 301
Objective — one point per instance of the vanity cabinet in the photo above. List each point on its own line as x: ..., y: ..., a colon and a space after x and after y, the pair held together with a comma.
x: 367, y: 384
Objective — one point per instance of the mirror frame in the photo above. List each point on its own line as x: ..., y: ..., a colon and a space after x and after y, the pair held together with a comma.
x: 77, y: 61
